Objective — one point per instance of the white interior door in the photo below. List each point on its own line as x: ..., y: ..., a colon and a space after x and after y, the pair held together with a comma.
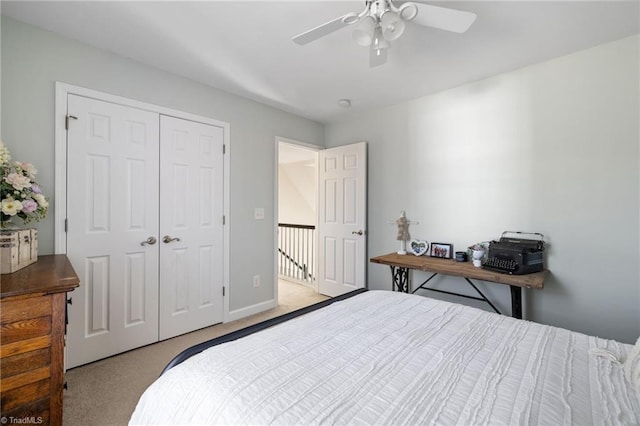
x: 191, y: 226
x: 342, y: 231
x: 112, y: 197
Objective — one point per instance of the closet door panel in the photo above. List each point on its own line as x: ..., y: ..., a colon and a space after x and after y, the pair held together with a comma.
x: 191, y: 229
x: 112, y: 196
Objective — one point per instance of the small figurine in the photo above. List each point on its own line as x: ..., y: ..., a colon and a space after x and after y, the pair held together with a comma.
x: 403, y: 232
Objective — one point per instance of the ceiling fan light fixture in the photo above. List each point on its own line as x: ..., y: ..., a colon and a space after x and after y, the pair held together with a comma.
x: 392, y: 25
x: 364, y: 32
x: 379, y: 42
x: 408, y: 11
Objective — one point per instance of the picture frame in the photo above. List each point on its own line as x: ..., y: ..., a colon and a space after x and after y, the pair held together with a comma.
x: 441, y: 250
x: 418, y: 247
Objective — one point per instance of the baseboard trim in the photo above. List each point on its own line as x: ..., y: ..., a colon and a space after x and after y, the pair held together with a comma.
x: 252, y: 310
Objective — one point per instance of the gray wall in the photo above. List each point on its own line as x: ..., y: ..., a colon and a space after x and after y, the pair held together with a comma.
x: 33, y: 60
x: 551, y: 148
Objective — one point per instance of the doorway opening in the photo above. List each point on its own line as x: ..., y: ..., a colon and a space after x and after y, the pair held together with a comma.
x: 297, y: 217
x: 321, y: 214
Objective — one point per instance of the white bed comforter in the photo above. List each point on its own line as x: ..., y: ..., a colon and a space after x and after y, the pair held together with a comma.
x: 391, y: 358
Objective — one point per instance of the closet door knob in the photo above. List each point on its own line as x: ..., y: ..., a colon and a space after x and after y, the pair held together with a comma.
x: 151, y: 241
x: 167, y: 239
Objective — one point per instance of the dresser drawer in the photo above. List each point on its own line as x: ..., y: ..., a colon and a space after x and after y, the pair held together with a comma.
x: 16, y: 364
x: 38, y: 406
x: 25, y: 395
x: 22, y: 309
x: 25, y: 326
x: 25, y: 329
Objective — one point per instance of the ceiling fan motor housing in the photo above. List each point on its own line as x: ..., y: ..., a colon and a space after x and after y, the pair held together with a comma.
x: 380, y: 22
x: 377, y: 8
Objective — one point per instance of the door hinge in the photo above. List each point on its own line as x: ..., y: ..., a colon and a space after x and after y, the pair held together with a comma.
x: 223, y: 291
x: 224, y: 220
x: 224, y: 149
x: 66, y: 120
x: 66, y: 225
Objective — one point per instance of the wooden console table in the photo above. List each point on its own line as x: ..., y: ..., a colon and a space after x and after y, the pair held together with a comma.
x: 402, y: 264
x: 32, y: 317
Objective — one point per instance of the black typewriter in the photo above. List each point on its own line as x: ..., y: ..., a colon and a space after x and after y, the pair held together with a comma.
x: 512, y: 254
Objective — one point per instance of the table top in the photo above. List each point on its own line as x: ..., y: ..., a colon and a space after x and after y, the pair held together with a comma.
x: 460, y: 269
x: 50, y: 274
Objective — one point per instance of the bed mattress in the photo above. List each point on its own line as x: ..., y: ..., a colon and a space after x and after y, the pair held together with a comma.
x: 392, y: 358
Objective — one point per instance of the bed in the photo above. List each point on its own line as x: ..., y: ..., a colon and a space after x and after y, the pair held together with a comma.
x: 385, y: 358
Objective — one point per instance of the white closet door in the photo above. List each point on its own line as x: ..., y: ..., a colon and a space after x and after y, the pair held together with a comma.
x: 191, y: 227
x: 112, y: 208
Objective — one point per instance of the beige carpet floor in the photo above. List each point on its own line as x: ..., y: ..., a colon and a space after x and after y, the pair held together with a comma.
x: 106, y: 392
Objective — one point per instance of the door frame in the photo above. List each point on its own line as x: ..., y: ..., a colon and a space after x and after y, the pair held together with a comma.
x: 311, y: 147
x: 62, y: 90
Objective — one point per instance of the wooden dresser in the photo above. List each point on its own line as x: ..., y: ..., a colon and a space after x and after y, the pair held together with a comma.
x: 32, y: 317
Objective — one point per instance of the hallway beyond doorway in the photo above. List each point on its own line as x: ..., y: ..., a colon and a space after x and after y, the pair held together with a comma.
x: 296, y: 296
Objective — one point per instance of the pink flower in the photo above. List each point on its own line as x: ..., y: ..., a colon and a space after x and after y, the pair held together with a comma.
x: 28, y: 168
x: 36, y: 189
x: 29, y: 206
x: 18, y: 181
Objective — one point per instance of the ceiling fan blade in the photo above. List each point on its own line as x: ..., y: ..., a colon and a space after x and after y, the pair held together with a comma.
x: 444, y: 18
x: 325, y: 29
x: 377, y: 57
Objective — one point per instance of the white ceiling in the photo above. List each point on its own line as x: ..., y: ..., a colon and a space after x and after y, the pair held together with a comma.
x: 245, y: 47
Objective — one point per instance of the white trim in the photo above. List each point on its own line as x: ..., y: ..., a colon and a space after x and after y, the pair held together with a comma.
x: 252, y: 310
x: 298, y: 143
x: 227, y: 224
x: 60, y: 171
x: 316, y: 148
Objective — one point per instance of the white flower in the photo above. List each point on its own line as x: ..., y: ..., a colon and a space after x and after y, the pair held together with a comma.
x: 10, y: 206
x: 4, y: 154
x: 42, y: 202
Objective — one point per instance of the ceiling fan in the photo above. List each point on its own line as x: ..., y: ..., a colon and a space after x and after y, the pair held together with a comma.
x: 382, y: 21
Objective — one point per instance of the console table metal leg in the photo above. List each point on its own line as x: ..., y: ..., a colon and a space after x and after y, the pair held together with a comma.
x: 482, y: 296
x: 400, y: 278
x: 516, y: 302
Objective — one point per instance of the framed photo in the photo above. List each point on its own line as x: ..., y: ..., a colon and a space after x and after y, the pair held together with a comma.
x: 442, y: 250
x: 418, y: 247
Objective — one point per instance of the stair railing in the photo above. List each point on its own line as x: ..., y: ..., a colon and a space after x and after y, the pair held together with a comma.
x: 296, y: 250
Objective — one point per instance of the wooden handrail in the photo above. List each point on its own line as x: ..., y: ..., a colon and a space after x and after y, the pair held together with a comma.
x: 292, y: 225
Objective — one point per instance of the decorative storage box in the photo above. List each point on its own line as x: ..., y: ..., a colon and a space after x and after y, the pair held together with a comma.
x: 18, y: 248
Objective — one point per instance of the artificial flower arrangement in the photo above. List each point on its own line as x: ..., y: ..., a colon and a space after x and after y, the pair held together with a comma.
x: 20, y: 194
